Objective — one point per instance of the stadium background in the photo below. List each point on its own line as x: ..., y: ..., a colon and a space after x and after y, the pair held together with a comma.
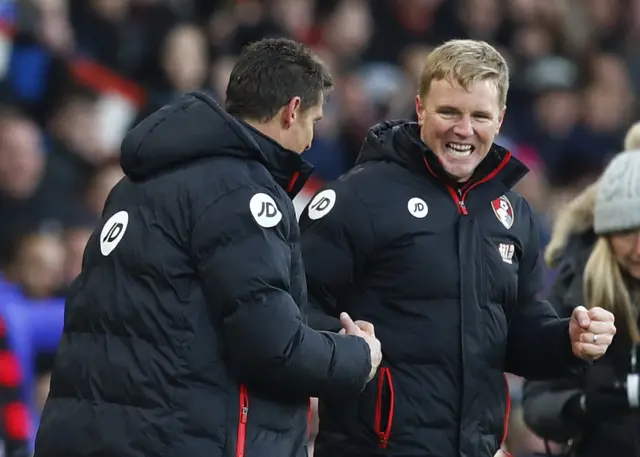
x: 76, y: 74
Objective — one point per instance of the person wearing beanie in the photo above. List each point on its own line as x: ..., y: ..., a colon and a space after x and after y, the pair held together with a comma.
x: 597, y: 412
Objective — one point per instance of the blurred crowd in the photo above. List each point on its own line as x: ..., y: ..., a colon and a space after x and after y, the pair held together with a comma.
x: 76, y: 74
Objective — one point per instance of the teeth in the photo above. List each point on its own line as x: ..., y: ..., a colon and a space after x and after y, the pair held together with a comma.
x: 459, y: 150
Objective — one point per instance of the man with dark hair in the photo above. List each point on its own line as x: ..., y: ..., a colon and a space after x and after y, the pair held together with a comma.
x: 183, y: 334
x: 290, y: 70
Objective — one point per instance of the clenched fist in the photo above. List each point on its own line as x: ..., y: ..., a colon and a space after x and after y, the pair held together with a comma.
x: 591, y: 332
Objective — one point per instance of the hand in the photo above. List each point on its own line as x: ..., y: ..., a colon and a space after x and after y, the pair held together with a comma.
x: 366, y: 331
x: 591, y: 332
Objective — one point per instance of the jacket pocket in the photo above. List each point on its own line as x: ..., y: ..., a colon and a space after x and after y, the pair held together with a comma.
x: 242, y: 421
x: 385, y: 381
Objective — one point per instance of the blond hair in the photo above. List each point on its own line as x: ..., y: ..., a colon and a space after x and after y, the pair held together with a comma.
x: 466, y: 62
x: 632, y: 138
x: 604, y: 286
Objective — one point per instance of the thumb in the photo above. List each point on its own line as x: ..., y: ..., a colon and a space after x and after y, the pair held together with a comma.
x: 347, y: 324
x: 581, y: 315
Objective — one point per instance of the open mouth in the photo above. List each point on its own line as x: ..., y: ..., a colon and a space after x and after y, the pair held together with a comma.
x: 460, y: 149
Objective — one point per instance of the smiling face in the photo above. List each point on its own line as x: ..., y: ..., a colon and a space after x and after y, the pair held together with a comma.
x: 626, y: 248
x: 459, y: 125
x: 461, y: 103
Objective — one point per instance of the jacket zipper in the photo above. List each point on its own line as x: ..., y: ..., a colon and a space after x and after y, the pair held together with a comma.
x: 507, y: 413
x: 460, y: 197
x: 383, y: 435
x: 242, y: 421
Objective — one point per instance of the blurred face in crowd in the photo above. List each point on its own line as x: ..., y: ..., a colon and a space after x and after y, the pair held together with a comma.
x: 100, y: 187
x: 220, y: 73
x: 626, y: 248
x: 298, y: 124
x: 53, y: 27
x: 349, y: 28
x: 76, y: 125
x: 75, y: 241
x: 460, y: 125
x: 39, y: 266
x: 184, y: 58
x: 111, y: 10
x: 21, y: 158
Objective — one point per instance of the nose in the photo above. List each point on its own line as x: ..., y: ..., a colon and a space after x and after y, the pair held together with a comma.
x: 636, y: 246
x: 463, y: 127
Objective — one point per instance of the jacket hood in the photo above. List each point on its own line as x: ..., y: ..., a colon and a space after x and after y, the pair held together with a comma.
x: 196, y: 127
x: 381, y: 143
x: 575, y: 220
x: 399, y: 141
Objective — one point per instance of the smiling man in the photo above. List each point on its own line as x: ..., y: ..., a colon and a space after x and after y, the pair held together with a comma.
x: 425, y: 239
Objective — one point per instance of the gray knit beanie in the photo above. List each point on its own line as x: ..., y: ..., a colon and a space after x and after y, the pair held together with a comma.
x: 618, y: 199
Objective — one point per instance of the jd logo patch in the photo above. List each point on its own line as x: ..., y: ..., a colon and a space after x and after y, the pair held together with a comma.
x: 113, y: 231
x: 322, y: 204
x: 418, y: 207
x: 264, y: 210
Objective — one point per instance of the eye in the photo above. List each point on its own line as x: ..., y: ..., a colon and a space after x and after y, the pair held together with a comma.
x: 447, y: 113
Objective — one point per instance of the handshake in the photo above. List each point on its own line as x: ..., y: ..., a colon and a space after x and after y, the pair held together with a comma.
x: 366, y: 331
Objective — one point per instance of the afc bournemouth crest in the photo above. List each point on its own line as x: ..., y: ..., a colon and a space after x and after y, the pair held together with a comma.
x: 503, y: 210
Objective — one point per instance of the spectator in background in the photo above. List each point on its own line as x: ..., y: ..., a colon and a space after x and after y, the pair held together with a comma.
x: 26, y: 199
x: 99, y: 185
x: 38, y: 266
x: 183, y: 63
x: 74, y: 142
x: 596, y: 246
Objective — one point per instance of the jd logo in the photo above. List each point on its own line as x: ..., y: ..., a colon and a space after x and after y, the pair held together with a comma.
x: 322, y: 204
x: 113, y: 231
x: 264, y: 210
x: 417, y: 207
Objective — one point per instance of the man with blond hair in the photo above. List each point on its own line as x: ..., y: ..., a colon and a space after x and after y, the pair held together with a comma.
x: 425, y: 239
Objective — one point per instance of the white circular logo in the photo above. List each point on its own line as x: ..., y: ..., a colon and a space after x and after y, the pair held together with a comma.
x: 113, y: 231
x: 417, y: 207
x: 264, y: 210
x: 322, y: 204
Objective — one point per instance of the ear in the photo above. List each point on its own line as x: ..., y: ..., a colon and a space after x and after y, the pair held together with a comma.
x: 291, y: 112
x: 503, y: 112
x: 419, y: 110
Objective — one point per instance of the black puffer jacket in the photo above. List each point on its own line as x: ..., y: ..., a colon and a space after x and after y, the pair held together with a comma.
x: 449, y: 278
x: 550, y: 406
x: 183, y: 335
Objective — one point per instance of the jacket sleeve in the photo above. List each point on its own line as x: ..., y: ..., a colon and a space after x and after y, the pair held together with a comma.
x: 538, y: 344
x: 545, y: 408
x: 336, y: 243
x: 546, y: 403
x: 244, y: 268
